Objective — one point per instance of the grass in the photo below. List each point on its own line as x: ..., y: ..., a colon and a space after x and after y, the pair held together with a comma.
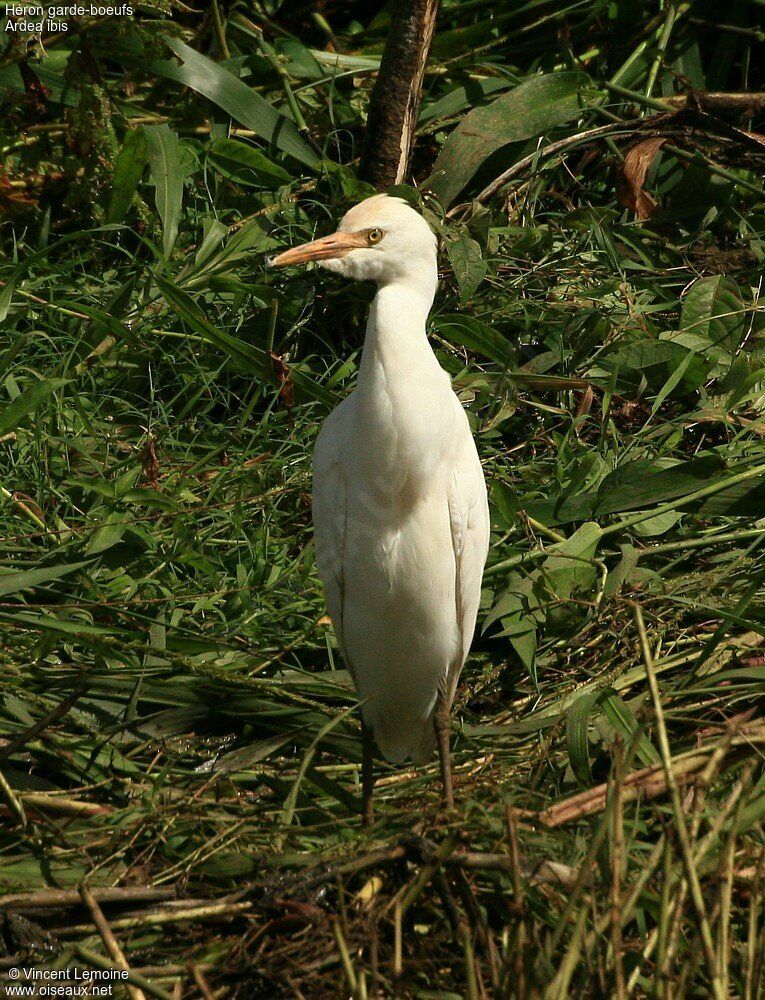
x: 177, y: 730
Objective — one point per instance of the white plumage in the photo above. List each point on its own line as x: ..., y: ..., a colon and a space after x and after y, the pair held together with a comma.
x: 399, y: 500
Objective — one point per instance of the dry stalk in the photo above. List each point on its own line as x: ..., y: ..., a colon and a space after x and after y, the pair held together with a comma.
x: 650, y: 782
x: 617, y: 866
x: 201, y: 980
x: 110, y: 941
x: 211, y: 911
x: 681, y: 830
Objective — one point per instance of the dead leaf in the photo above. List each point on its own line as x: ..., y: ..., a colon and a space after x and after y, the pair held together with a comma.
x: 284, y: 378
x: 12, y: 198
x: 586, y: 400
x: 633, y: 174
x: 28, y: 504
x: 37, y: 94
x: 150, y: 463
x: 367, y: 893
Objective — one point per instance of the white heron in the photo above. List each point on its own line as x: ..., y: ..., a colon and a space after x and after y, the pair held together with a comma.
x: 400, y: 511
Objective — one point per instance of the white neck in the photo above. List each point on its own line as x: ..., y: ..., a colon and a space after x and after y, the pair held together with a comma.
x: 404, y: 401
x: 396, y: 327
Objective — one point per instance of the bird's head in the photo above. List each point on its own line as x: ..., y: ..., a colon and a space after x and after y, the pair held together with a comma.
x: 381, y: 239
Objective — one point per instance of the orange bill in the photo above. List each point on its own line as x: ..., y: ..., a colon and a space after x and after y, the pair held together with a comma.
x: 336, y: 245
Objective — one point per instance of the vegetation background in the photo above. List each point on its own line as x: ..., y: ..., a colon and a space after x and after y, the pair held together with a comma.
x: 177, y: 733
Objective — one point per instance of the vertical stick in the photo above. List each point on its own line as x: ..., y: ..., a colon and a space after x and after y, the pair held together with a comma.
x: 395, y: 101
x: 617, y: 861
x: 753, y: 952
x: 398, y: 963
x: 367, y: 776
x: 661, y: 975
x: 727, y: 868
x: 681, y: 829
x: 201, y: 980
x: 519, y: 903
x: 220, y: 32
x: 110, y: 941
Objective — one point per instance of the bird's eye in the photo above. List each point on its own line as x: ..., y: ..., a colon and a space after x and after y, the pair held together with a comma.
x: 375, y: 235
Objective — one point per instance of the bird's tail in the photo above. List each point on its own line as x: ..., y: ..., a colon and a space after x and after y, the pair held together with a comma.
x: 401, y: 739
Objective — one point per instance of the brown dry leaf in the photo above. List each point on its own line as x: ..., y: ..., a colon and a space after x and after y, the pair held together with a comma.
x: 12, y: 198
x: 150, y: 463
x: 37, y: 94
x: 284, y: 378
x: 28, y: 504
x: 633, y: 173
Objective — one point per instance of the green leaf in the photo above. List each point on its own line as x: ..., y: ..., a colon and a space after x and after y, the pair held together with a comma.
x: 573, y: 554
x: 518, y: 609
x: 101, y: 318
x: 468, y: 96
x: 249, y: 239
x: 624, y: 572
x: 164, y: 152
x: 236, y: 99
x: 622, y: 718
x: 740, y: 500
x: 618, y: 713
x: 658, y: 525
x: 537, y: 105
x: 524, y: 642
x: 673, y: 381
x: 505, y: 502
x: 658, y: 362
x: 244, y: 758
x: 6, y: 294
x: 632, y: 486
x: 127, y: 174
x: 467, y: 263
x: 713, y: 307
x: 47, y: 623
x: 27, y: 402
x: 569, y: 569
x: 250, y: 359
x: 243, y: 164
x: 577, y: 740
x: 214, y: 234
x: 741, y: 385
x: 15, y: 581
x: 476, y: 336
x: 302, y: 62
x: 107, y: 534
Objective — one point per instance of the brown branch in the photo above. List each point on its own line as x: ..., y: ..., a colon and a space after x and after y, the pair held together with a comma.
x: 61, y: 805
x: 201, y: 980
x: 54, y: 899
x: 541, y: 872
x: 650, y: 782
x: 42, y: 724
x: 689, y: 116
x: 395, y: 101
x: 110, y: 941
x: 740, y: 103
x: 213, y: 911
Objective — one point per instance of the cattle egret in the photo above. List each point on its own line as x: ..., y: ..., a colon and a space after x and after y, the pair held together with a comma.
x: 400, y: 511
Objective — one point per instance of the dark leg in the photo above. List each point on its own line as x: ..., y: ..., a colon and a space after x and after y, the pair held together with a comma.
x: 441, y: 724
x: 367, y: 775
